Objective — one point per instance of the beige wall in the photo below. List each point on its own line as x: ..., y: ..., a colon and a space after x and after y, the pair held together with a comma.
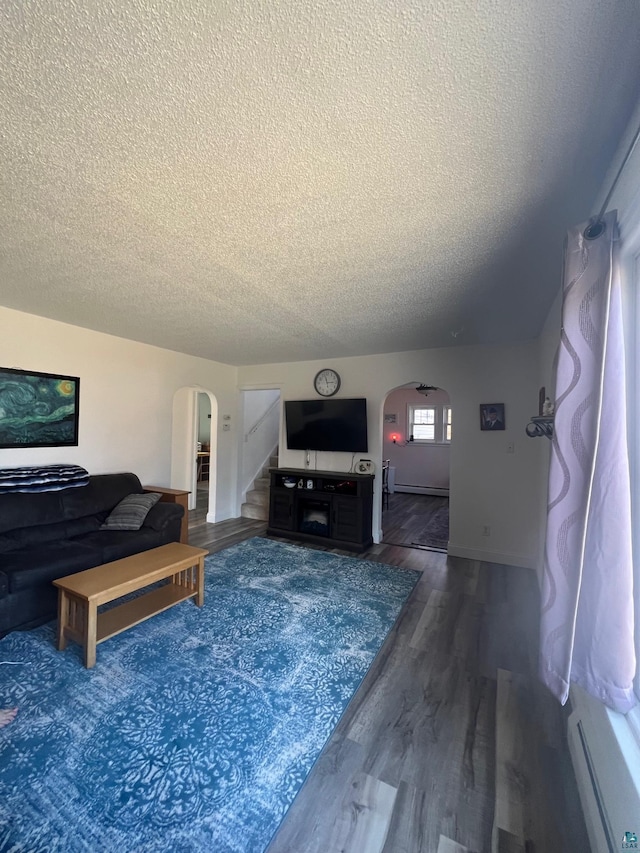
x: 126, y: 420
x: 489, y: 486
x: 126, y: 399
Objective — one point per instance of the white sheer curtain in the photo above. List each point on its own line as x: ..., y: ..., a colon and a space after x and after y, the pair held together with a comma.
x: 587, y: 628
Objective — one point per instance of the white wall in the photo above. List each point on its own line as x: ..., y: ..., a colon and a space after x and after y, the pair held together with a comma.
x: 259, y: 409
x: 127, y: 391
x: 489, y: 487
x: 126, y: 399
x: 417, y: 465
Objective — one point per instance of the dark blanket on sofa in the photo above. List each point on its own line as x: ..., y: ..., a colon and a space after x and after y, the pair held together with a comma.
x: 48, y: 535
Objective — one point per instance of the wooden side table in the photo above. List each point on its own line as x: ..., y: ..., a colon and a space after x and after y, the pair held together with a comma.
x: 175, y: 496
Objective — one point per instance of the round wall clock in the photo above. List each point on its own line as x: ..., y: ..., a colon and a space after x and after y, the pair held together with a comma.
x: 327, y: 382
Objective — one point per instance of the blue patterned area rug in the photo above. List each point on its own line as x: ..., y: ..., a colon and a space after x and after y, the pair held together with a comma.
x: 196, y: 729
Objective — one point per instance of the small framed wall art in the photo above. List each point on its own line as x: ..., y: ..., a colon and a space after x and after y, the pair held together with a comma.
x: 38, y: 409
x: 492, y: 416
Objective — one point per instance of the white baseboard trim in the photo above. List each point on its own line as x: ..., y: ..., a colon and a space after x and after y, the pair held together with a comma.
x: 421, y: 490
x: 520, y: 560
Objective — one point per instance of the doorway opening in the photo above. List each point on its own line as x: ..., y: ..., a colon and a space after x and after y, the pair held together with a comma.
x: 192, y: 467
x: 203, y: 453
x: 259, y: 449
x: 416, y: 448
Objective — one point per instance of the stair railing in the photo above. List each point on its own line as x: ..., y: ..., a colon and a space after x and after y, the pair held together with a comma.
x: 261, y: 419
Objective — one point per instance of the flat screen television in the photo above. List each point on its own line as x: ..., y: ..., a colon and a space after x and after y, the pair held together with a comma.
x: 338, y: 424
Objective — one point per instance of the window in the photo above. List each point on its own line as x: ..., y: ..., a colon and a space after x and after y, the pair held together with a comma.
x: 630, y: 271
x: 633, y: 402
x: 446, y: 410
x: 429, y: 424
x: 422, y: 423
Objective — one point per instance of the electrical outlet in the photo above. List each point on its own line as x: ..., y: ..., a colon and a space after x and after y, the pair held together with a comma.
x: 226, y: 427
x: 486, y: 530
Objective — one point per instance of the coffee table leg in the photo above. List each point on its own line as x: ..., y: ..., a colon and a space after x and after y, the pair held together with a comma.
x: 90, y: 628
x: 200, y: 570
x: 63, y: 618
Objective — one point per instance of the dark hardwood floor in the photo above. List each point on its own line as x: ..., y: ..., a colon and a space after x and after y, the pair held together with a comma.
x: 450, y: 744
x: 405, y: 517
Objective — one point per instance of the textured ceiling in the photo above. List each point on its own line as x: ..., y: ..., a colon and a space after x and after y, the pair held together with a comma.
x: 273, y: 181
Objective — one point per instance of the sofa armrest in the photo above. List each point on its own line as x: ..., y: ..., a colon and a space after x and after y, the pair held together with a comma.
x: 162, y: 515
x: 175, y: 496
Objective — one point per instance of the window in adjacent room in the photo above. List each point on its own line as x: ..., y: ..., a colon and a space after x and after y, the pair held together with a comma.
x: 422, y: 423
x: 446, y: 412
x: 429, y: 424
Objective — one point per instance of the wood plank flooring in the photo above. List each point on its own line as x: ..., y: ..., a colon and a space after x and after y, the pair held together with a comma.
x: 450, y: 745
x: 406, y: 517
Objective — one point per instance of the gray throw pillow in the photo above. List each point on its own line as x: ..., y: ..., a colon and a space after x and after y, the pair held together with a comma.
x: 131, y: 512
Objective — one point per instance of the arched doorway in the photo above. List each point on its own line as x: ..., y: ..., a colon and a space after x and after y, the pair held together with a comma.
x: 416, y: 441
x: 184, y: 445
x: 203, y: 458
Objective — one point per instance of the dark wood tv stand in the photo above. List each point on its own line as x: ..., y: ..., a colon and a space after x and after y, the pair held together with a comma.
x: 328, y: 507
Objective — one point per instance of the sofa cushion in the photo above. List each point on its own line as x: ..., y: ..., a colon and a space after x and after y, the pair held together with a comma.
x: 31, y: 537
x: 131, y: 512
x: 163, y: 516
x: 116, y: 544
x: 28, y: 608
x: 102, y: 493
x: 32, y: 567
x: 24, y: 510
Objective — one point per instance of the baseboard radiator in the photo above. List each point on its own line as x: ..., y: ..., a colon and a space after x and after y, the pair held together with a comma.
x: 606, y: 761
x: 421, y: 490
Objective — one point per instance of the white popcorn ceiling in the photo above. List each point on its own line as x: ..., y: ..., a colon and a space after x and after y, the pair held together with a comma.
x: 279, y: 181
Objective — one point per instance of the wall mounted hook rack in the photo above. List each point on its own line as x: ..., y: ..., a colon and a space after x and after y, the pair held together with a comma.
x: 539, y: 426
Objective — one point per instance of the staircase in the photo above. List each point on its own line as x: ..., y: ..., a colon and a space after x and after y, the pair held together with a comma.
x: 257, y: 498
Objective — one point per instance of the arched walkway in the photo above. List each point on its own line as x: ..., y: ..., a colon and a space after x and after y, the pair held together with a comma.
x: 184, y: 439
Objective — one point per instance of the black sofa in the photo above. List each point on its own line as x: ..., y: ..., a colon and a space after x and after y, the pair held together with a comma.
x: 48, y: 535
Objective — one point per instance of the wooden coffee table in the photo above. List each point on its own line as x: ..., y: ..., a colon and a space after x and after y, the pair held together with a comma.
x: 80, y: 595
